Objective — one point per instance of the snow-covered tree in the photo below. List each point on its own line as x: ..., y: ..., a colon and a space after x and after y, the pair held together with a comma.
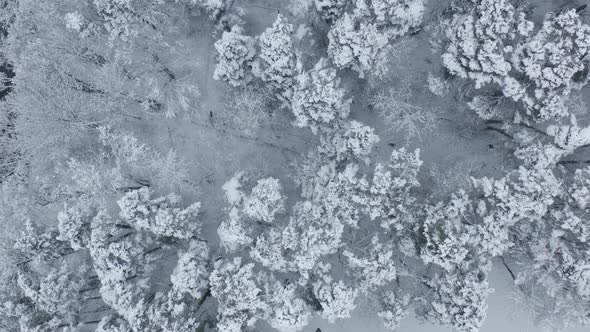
x: 445, y: 241
x: 74, y: 20
x: 335, y: 297
x: 360, y: 38
x: 59, y: 291
x: 170, y: 311
x: 533, y: 214
x: 112, y: 259
x: 126, y: 154
x: 269, y: 252
x: 120, y: 18
x: 36, y: 242
x: 171, y: 172
x: 160, y: 216
x: 275, y: 63
x: 265, y: 200
x: 436, y: 85
x: 233, y: 232
x: 192, y: 270
x: 74, y: 225
x: 375, y: 268
x: 354, y: 140
x: 20, y: 311
x: 99, y: 84
x: 390, y: 197
x: 287, y: 311
x: 318, y: 100
x: 246, y: 109
x: 235, y: 53
x: 567, y: 138
x: 399, y: 16
x: 315, y: 225
x: 331, y: 9
x: 311, y: 234
x: 329, y: 172
x: 245, y: 211
x: 479, y: 225
x: 493, y: 42
x: 458, y: 300
x: 215, y: 8
x: 554, y: 61
x: 119, y: 260
x: 401, y: 113
x: 234, y: 286
x: 479, y: 40
x: 393, y: 309
x: 525, y: 194
x: 129, y: 21
x: 124, y: 259
x: 357, y: 44
x: 112, y: 323
x: 553, y: 248
x: 56, y: 295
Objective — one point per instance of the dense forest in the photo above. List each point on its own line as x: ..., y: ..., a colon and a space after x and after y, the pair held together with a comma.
x: 263, y: 165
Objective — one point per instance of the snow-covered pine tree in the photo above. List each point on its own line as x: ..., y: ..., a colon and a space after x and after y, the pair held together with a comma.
x: 161, y: 216
x: 493, y: 43
x: 318, y: 100
x: 357, y: 44
x: 275, y: 63
x: 235, y: 54
x: 360, y: 38
x: 234, y: 286
x: 458, y: 300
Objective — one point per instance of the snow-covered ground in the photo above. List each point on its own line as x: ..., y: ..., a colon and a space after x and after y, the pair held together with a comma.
x: 224, y: 131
